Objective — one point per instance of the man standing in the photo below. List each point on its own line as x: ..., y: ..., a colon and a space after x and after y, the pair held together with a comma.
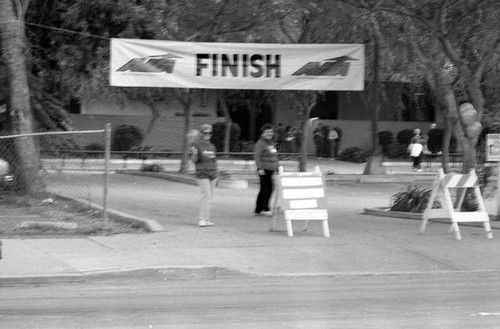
x: 266, y: 160
x: 319, y: 140
x: 332, y: 141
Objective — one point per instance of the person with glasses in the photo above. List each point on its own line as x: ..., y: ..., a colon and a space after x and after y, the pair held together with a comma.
x: 202, y: 153
x: 266, y: 160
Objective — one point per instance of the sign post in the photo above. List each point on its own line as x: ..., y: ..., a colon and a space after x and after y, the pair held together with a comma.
x: 301, y: 196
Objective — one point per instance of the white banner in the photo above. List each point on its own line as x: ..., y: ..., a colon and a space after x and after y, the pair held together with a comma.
x: 155, y: 63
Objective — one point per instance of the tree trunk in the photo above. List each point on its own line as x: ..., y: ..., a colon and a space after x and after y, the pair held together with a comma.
x: 375, y: 164
x: 305, y: 138
x: 186, y: 100
x: 227, y: 116
x: 27, y: 168
x: 155, y: 114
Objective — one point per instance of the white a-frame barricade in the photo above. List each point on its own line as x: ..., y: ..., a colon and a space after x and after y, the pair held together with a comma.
x: 301, y: 196
x: 459, y: 183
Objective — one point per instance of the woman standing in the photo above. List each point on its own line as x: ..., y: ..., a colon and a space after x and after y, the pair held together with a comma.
x: 203, y: 155
x: 266, y: 160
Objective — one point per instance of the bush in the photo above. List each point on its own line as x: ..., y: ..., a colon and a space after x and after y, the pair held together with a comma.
x: 125, y: 137
x: 154, y: 167
x: 385, y: 139
x: 404, y: 136
x: 94, y: 147
x: 413, y: 199
x: 54, y: 145
x: 219, y: 133
x: 397, y: 151
x: 354, y: 154
x: 145, y: 148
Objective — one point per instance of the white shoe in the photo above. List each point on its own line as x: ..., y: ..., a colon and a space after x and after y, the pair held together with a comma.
x: 267, y: 213
x: 204, y: 223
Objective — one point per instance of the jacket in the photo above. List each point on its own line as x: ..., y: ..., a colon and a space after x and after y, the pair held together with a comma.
x: 266, y: 155
x: 204, y: 160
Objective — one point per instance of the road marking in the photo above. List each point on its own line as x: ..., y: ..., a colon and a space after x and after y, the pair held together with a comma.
x: 486, y: 314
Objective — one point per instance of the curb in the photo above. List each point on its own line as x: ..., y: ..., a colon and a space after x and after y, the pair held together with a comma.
x: 151, y: 225
x: 165, y: 273
x: 385, y: 212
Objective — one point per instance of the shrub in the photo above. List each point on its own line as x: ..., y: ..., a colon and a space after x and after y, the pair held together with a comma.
x: 354, y: 154
x: 397, y: 151
x: 125, y: 137
x: 219, y: 133
x: 385, y: 139
x: 154, y: 167
x: 142, y: 148
x: 404, y: 136
x: 94, y: 147
x: 413, y: 199
x: 55, y: 145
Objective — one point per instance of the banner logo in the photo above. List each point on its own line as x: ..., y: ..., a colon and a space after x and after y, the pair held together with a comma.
x: 158, y: 64
x: 328, y: 67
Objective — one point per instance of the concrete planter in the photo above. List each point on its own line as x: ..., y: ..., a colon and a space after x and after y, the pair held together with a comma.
x: 386, y: 212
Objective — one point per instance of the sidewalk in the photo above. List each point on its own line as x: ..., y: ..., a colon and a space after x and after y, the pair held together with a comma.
x: 242, y: 245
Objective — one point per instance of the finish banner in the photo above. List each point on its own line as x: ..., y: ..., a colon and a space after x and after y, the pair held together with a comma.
x: 155, y: 63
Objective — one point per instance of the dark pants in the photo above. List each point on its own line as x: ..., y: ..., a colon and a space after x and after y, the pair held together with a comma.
x: 319, y: 147
x: 266, y: 190
x: 416, y: 162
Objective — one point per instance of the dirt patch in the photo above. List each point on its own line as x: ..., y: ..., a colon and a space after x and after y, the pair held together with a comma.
x: 51, y: 215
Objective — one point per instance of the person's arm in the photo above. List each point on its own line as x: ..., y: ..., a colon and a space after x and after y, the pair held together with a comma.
x: 193, y: 154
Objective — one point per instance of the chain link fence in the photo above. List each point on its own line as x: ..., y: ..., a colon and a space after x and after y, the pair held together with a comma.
x: 70, y: 180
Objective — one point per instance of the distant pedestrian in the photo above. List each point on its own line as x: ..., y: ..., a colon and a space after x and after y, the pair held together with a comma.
x: 289, y: 140
x: 319, y: 140
x: 332, y: 141
x: 266, y: 160
x: 415, y: 149
x: 298, y: 140
x: 202, y: 153
x: 280, y: 137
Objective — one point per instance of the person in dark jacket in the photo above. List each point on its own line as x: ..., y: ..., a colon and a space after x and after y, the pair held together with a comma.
x: 266, y: 160
x: 202, y: 153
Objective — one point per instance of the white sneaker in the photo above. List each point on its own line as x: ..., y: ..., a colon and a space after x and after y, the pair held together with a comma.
x: 204, y: 223
x: 267, y: 213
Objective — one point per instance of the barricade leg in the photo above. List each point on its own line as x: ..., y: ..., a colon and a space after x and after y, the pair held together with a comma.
x: 273, y: 220
x: 487, y: 228
x: 457, y: 231
x: 326, y: 229
x: 289, y: 228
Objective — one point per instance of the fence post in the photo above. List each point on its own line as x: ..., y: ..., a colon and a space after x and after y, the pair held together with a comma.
x: 107, y: 151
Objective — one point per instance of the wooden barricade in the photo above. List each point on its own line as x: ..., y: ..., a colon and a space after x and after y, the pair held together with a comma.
x: 300, y: 196
x: 460, y: 183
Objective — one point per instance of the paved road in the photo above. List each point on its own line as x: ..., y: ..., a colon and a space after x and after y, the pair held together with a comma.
x: 445, y: 301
